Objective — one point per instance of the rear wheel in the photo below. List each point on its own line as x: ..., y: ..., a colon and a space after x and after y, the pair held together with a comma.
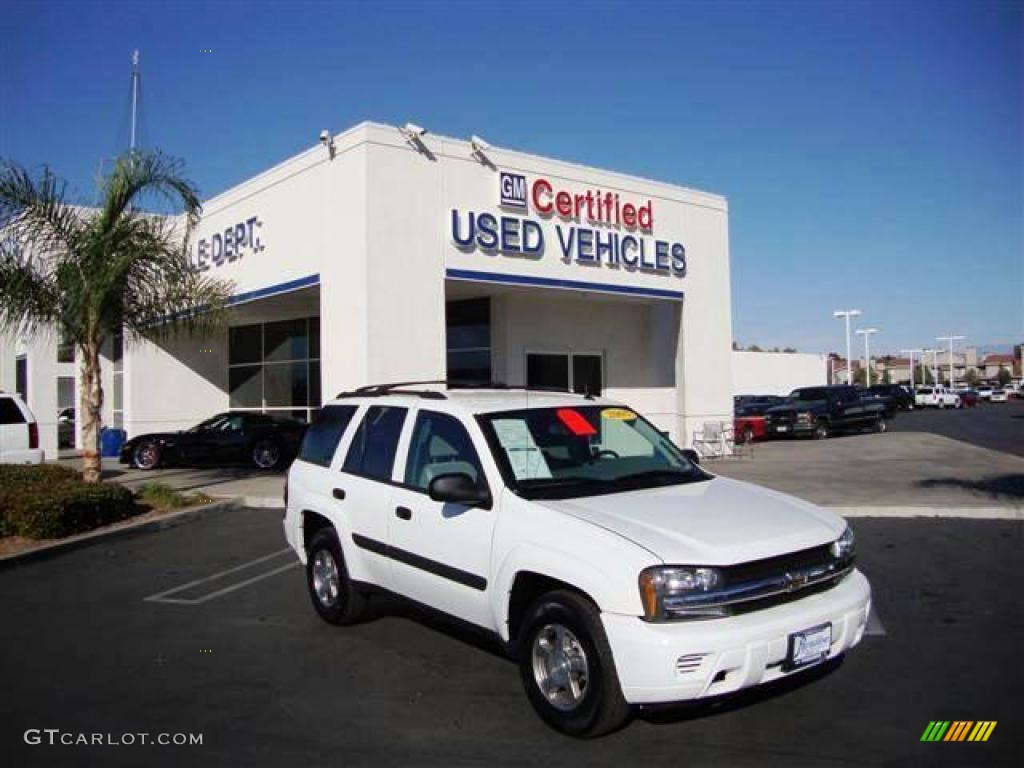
x: 332, y: 592
x: 881, y: 425
x: 266, y: 454
x: 748, y: 435
x: 567, y: 667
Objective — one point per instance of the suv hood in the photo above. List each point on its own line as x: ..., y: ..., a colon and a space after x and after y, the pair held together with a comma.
x: 716, y: 522
x: 803, y: 405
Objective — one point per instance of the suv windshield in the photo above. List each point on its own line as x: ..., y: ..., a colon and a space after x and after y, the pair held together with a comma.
x: 561, y: 453
x: 809, y: 394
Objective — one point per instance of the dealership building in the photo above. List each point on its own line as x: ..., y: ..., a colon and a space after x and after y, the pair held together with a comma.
x: 387, y: 254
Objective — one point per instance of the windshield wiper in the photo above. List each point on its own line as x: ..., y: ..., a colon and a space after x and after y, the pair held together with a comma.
x: 660, y: 474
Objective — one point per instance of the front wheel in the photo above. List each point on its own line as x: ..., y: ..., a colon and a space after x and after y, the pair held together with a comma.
x: 567, y: 667
x: 146, y: 456
x: 821, y: 430
x: 881, y: 425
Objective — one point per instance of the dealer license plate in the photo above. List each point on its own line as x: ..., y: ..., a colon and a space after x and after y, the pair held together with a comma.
x: 782, y: 428
x: 809, y: 646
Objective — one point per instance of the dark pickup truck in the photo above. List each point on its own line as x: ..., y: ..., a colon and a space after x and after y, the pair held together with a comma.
x: 824, y: 411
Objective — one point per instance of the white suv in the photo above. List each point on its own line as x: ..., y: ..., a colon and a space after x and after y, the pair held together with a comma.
x: 936, y: 397
x: 607, y: 562
x: 19, y: 432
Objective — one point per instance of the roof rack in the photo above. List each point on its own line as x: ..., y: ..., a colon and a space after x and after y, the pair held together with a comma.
x: 404, y: 388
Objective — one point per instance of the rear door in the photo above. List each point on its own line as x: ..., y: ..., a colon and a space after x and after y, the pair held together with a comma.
x: 441, y: 552
x: 363, y: 490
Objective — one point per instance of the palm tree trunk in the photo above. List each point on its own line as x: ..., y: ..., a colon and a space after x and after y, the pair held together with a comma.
x: 91, y: 405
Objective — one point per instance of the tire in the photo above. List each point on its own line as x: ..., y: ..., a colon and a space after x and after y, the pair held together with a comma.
x: 266, y: 454
x: 881, y: 425
x: 590, y: 704
x: 334, y: 597
x: 146, y: 456
x: 821, y: 430
x: 748, y: 435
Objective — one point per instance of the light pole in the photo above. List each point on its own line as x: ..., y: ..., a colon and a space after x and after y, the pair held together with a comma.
x: 910, y: 354
x: 866, y: 333
x: 847, y: 314
x: 950, y: 339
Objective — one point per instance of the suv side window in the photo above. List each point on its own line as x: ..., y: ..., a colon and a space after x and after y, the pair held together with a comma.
x: 372, y: 453
x: 440, y: 445
x: 10, y: 413
x: 323, y: 435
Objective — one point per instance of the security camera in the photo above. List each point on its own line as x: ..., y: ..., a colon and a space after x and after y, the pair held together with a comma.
x: 478, y: 144
x: 325, y: 136
x: 411, y: 129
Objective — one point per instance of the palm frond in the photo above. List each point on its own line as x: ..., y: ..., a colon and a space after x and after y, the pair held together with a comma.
x: 137, y: 174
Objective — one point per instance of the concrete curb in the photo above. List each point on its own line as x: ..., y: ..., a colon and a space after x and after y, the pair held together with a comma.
x: 973, y: 513
x: 122, y: 530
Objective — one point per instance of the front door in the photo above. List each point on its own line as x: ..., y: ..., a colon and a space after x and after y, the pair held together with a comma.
x: 441, y: 552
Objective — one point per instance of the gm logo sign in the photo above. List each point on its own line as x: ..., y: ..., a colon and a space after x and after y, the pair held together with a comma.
x: 513, y: 190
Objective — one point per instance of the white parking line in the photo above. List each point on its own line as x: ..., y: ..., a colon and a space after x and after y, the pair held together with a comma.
x: 165, y: 596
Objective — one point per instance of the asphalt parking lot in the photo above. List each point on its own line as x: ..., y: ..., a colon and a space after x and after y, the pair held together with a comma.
x: 997, y: 426
x: 242, y: 659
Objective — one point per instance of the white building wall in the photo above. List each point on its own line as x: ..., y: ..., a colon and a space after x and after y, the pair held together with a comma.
x: 776, y: 373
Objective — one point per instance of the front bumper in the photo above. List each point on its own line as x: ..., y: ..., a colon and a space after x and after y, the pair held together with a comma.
x: 775, y: 429
x: 660, y: 663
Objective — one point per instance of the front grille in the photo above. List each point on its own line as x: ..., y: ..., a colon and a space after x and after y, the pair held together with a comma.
x: 761, y: 584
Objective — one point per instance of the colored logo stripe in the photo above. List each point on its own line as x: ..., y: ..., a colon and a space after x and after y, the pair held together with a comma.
x: 958, y: 730
x: 935, y: 730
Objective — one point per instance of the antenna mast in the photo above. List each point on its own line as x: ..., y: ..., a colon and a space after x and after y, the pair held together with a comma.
x: 135, y: 95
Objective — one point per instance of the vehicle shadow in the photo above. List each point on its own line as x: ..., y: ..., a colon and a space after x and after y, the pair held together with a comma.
x: 385, y: 605
x: 667, y: 714
x: 996, y: 486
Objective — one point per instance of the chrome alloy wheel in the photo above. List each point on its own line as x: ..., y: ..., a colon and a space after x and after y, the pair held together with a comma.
x: 146, y: 456
x: 560, y: 667
x: 325, y: 578
x: 265, y: 455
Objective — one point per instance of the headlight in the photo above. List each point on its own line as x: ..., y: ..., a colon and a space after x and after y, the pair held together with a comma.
x: 804, y: 416
x: 844, y: 547
x: 676, y: 592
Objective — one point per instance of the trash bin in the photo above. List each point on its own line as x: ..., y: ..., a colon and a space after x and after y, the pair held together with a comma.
x: 111, y: 441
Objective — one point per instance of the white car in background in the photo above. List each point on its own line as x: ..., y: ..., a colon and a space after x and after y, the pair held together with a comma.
x: 985, y: 392
x: 19, y: 432
x: 612, y: 567
x: 936, y: 397
x: 999, y: 396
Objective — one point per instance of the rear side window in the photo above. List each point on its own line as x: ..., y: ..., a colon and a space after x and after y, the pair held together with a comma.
x: 10, y: 413
x: 323, y: 435
x: 372, y: 453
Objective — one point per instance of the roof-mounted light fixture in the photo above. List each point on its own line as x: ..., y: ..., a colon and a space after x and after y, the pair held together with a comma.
x: 414, y: 136
x: 479, y: 148
x: 328, y: 141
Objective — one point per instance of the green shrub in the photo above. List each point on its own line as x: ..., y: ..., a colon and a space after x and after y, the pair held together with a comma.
x: 163, y: 496
x: 48, y: 501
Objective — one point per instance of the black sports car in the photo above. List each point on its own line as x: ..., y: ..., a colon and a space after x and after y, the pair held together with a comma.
x: 235, y: 437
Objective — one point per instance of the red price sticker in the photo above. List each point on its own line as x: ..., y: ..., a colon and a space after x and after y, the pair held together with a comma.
x: 575, y: 421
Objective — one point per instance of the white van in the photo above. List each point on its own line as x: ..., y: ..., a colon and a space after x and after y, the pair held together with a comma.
x: 19, y: 432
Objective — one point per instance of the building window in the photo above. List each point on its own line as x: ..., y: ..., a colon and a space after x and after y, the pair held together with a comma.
x: 274, y: 368
x: 117, y: 356
x: 21, y: 377
x: 468, y: 331
x: 65, y: 350
x: 582, y: 373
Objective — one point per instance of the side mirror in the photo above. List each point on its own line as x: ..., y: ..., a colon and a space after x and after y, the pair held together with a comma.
x: 692, y: 455
x: 458, y: 488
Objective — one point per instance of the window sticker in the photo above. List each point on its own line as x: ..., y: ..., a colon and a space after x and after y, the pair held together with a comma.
x: 618, y: 414
x: 526, y: 459
x: 576, y: 422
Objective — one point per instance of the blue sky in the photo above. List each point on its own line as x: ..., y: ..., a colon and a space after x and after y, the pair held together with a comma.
x: 872, y: 153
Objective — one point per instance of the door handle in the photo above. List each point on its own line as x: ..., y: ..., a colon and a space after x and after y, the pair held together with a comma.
x: 404, y: 513
x: 339, y: 493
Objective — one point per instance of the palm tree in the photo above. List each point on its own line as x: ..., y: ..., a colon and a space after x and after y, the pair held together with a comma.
x: 91, y: 272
